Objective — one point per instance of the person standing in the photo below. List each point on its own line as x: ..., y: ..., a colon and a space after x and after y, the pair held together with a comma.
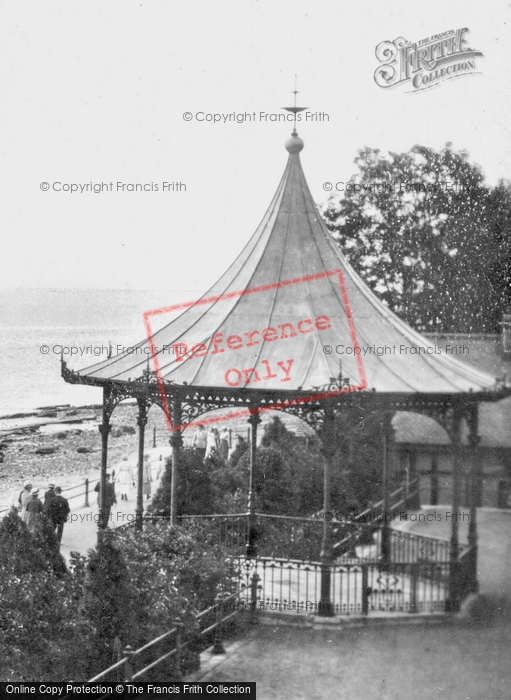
x: 146, y: 484
x: 161, y: 470
x: 34, y: 512
x: 48, y: 497
x: 124, y: 478
x: 58, y: 510
x: 25, y: 494
x: 109, y: 500
x: 211, y: 442
x: 200, y: 441
x: 224, y: 444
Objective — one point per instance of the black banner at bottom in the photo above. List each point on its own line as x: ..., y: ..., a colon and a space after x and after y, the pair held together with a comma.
x: 131, y: 689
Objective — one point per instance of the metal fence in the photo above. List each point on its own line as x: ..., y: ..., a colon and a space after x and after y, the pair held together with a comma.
x: 168, y: 654
x: 274, y: 535
x: 301, y: 538
x: 362, y: 589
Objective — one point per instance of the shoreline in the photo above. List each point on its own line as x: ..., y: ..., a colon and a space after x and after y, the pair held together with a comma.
x: 41, y: 411
x: 47, y: 415
x: 36, y: 411
x: 61, y: 444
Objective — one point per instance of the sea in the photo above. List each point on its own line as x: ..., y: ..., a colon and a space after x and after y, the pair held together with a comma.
x: 36, y: 324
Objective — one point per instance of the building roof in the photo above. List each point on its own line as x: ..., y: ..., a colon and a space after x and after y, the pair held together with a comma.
x: 292, y: 272
x: 485, y: 352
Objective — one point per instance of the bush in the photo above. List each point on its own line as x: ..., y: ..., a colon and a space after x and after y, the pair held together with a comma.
x: 239, y: 451
x: 58, y: 624
x: 194, y: 496
x: 173, y: 573
x: 305, y: 464
x: 43, y: 636
x: 108, y: 601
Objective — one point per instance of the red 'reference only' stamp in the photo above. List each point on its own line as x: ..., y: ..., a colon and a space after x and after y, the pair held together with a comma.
x: 223, y: 348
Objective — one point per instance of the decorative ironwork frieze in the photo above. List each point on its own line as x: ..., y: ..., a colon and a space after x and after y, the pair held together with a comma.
x: 113, y: 395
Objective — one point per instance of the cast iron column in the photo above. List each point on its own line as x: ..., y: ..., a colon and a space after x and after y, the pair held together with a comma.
x: 404, y: 466
x: 415, y: 502
x: 104, y: 429
x: 254, y: 421
x: 176, y: 442
x: 434, y: 480
x: 385, y: 557
x: 141, y: 422
x: 454, y: 593
x: 328, y: 438
x: 475, y: 476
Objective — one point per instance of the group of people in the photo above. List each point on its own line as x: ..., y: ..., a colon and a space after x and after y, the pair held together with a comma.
x: 124, y: 477
x: 54, y: 509
x: 211, y: 443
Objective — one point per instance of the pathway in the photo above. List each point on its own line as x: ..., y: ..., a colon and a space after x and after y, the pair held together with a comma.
x: 381, y: 663
x: 80, y: 533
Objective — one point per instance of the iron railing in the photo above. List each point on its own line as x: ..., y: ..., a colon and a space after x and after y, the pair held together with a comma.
x: 349, y: 531
x: 301, y: 538
x: 404, y: 496
x: 275, y: 535
x: 212, y: 626
x: 286, y: 585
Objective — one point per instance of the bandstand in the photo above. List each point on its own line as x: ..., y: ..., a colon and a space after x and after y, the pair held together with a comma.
x: 265, y: 338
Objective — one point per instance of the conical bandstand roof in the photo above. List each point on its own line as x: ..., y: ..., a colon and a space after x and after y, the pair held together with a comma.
x: 290, y: 297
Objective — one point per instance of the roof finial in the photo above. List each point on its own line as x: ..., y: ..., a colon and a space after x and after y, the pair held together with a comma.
x: 295, y: 109
x: 295, y: 93
x: 295, y: 143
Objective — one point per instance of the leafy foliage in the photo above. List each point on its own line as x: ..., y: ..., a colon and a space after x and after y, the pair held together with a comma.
x: 357, y: 477
x: 109, y: 600
x: 60, y: 624
x: 289, y: 474
x: 428, y: 237
x: 305, y: 462
x: 194, y: 493
x: 173, y: 573
x: 43, y: 635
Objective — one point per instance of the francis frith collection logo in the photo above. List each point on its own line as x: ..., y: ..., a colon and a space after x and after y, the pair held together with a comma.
x: 425, y: 63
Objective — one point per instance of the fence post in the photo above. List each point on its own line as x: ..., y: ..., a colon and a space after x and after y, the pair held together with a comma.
x: 86, y: 493
x: 365, y: 589
x: 414, y: 579
x: 179, y: 645
x: 253, y: 598
x: 128, y: 666
x: 218, y: 647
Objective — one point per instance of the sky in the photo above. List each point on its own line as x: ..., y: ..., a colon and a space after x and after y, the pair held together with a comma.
x: 95, y: 92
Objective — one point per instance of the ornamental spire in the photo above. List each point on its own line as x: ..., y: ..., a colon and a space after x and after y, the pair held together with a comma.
x: 295, y: 109
x: 295, y: 143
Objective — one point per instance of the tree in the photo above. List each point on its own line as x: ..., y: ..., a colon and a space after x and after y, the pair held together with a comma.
x: 108, y: 600
x: 357, y: 478
x: 194, y: 495
x: 420, y: 229
x: 305, y: 460
x: 500, y: 212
